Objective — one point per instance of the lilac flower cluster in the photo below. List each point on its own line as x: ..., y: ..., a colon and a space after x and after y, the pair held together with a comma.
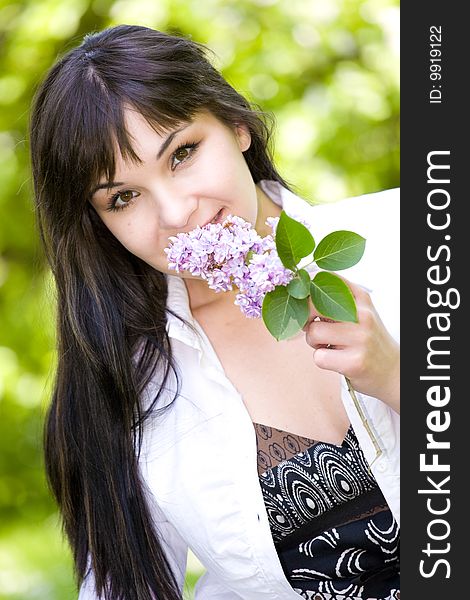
x: 231, y: 254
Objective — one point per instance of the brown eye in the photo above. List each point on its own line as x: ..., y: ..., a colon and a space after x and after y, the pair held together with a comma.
x: 126, y: 196
x: 181, y: 154
x: 121, y: 200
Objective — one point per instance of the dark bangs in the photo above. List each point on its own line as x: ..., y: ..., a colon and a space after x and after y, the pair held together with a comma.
x: 166, y: 97
x: 85, y: 99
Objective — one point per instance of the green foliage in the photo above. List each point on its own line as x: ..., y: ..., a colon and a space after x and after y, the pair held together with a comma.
x: 299, y: 287
x: 285, y: 310
x: 332, y: 297
x: 339, y: 250
x: 293, y: 241
x: 283, y: 314
x: 327, y: 69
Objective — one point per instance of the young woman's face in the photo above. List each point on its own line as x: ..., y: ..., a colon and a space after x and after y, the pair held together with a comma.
x: 186, y: 179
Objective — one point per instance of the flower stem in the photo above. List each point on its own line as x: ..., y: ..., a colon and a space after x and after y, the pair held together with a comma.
x: 378, y: 449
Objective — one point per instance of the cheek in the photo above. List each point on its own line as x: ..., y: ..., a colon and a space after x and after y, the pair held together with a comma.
x: 225, y: 166
x: 137, y: 237
x: 235, y: 179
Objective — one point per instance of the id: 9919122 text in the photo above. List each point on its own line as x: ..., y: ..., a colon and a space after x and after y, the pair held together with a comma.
x: 435, y: 64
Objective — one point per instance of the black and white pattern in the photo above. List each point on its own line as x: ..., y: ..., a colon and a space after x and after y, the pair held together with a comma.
x: 335, y: 535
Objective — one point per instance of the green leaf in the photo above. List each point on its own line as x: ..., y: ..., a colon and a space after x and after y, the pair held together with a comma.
x: 339, y: 250
x: 282, y: 314
x: 293, y: 241
x: 333, y: 298
x: 299, y: 287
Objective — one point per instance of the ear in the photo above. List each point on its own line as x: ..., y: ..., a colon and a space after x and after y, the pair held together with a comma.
x: 243, y: 135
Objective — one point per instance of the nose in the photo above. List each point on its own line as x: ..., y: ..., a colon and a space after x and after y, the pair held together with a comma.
x: 176, y: 208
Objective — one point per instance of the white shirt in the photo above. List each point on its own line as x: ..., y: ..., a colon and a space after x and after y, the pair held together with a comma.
x: 199, y: 458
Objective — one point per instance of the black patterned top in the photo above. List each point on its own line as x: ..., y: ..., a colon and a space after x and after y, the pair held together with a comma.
x: 334, y: 533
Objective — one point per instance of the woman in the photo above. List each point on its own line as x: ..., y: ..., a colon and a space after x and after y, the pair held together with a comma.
x: 165, y: 394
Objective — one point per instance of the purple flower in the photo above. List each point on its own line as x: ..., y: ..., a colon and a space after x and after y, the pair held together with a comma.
x: 218, y: 253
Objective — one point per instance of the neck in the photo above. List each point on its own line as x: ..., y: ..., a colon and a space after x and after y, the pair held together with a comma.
x: 266, y: 208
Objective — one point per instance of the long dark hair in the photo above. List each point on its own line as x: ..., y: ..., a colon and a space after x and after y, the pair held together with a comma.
x: 111, y: 305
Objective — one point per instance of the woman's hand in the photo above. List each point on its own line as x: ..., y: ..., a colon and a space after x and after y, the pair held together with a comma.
x: 364, y: 352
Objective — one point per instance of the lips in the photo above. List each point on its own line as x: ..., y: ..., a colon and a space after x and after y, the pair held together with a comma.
x: 216, y: 218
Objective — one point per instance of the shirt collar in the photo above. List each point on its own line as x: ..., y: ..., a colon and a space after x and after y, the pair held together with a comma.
x: 178, y: 302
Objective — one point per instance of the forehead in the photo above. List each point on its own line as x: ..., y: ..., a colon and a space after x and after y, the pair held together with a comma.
x: 142, y: 133
x: 131, y: 145
x: 138, y: 129
x: 134, y: 121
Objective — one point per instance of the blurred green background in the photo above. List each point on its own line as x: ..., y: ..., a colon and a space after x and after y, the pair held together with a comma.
x: 328, y: 69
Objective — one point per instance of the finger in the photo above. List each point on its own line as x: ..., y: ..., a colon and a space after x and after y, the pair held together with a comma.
x: 331, y: 359
x: 336, y: 334
x: 316, y: 319
x: 327, y: 346
x: 313, y: 318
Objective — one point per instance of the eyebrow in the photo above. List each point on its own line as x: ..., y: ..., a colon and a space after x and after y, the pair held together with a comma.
x: 109, y: 185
